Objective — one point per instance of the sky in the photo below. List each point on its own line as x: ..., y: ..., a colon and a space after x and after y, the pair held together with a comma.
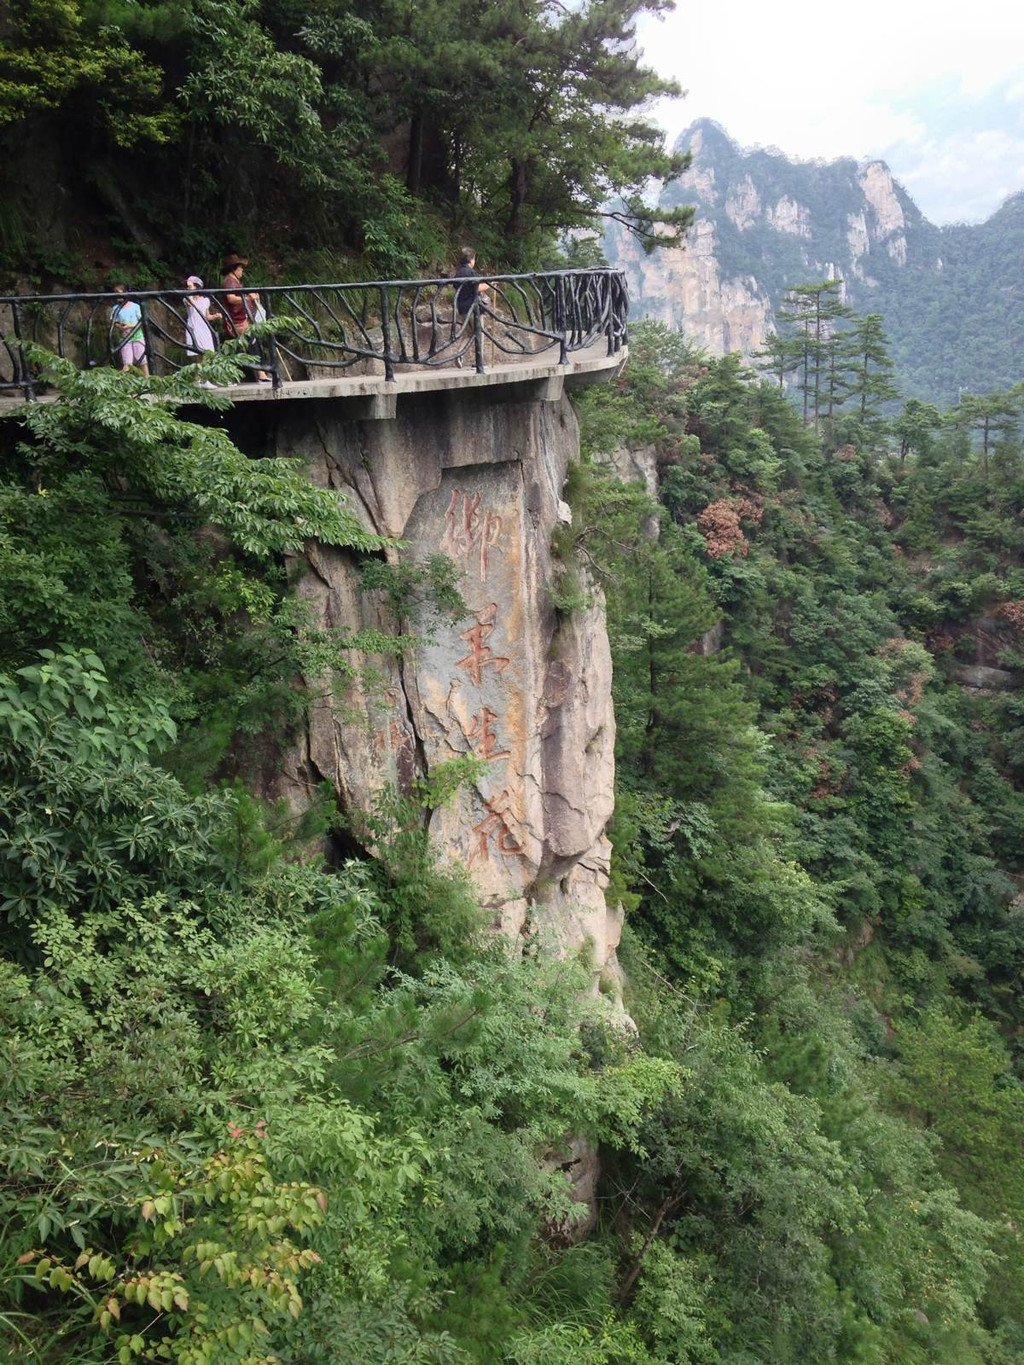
x: 932, y: 88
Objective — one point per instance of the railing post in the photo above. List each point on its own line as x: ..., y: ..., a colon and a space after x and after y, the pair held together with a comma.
x: 27, y: 382
x: 385, y: 334
x: 147, y: 344
x: 560, y: 312
x: 275, y: 364
x: 478, y: 335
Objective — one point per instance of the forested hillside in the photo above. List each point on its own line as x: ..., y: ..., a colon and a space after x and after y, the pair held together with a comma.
x: 325, y: 141
x: 818, y: 826
x: 256, y: 1107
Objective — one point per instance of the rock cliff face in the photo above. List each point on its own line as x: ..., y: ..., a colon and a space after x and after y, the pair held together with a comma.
x: 684, y: 287
x: 525, y: 691
x: 764, y: 223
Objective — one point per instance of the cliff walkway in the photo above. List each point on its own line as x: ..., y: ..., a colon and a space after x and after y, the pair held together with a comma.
x: 369, y: 340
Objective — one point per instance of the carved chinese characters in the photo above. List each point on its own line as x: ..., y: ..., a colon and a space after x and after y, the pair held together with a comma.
x: 481, y: 731
x: 480, y: 654
x: 494, y: 827
x: 473, y: 535
x: 469, y: 534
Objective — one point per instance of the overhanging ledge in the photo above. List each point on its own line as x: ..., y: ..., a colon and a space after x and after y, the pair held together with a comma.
x: 374, y: 398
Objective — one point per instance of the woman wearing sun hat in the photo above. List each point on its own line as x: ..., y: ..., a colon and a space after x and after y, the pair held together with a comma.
x: 236, y: 304
x: 199, y: 337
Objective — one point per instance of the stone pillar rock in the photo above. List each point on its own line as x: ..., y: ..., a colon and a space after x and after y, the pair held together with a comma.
x: 514, y: 684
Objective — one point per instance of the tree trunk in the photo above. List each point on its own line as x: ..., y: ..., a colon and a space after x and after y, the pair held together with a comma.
x: 651, y: 728
x: 517, y: 197
x: 414, y: 161
x: 669, y: 1205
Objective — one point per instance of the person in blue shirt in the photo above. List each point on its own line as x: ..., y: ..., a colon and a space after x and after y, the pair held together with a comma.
x: 126, y: 322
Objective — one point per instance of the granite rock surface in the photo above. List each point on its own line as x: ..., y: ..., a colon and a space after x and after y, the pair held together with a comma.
x: 524, y: 689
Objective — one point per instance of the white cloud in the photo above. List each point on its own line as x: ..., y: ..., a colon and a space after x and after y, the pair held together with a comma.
x: 920, y: 84
x: 965, y: 176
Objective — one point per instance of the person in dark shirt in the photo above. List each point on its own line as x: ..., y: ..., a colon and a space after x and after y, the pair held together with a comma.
x: 468, y: 294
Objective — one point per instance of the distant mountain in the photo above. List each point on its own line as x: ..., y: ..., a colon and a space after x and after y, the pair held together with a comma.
x: 952, y: 297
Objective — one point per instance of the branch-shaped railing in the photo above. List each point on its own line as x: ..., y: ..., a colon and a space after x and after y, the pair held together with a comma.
x: 379, y: 328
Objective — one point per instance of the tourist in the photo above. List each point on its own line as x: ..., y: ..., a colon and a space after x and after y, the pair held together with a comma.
x: 239, y: 306
x: 126, y: 320
x: 199, y: 337
x: 468, y: 295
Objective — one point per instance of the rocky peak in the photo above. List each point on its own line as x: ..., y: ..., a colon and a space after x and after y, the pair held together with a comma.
x: 743, y: 203
x: 875, y: 179
x: 765, y: 222
x: 707, y: 141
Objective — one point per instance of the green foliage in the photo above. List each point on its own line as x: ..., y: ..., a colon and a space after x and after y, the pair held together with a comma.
x: 229, y: 1218
x: 829, y: 1218
x: 64, y: 732
x: 155, y: 542
x: 396, y: 828
x: 416, y: 591
x: 202, y: 982
x: 53, y: 57
x: 256, y: 1108
x: 957, y: 1081
x: 366, y: 134
x: 809, y: 762
x: 398, y: 1087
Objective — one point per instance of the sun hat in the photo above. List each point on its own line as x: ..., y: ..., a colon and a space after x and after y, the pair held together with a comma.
x: 194, y: 282
x: 231, y: 261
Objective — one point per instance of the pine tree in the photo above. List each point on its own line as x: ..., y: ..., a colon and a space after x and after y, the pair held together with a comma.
x: 779, y: 357
x: 993, y: 416
x: 503, y: 122
x: 914, y: 426
x: 814, y: 309
x: 834, y: 352
x: 871, y: 368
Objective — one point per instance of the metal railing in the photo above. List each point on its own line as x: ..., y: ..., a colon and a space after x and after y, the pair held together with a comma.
x: 376, y: 328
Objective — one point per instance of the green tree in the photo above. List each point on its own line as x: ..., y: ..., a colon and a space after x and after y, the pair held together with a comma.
x: 813, y: 310
x: 992, y: 416
x: 870, y: 384
x: 915, y: 426
x: 779, y: 357
x: 954, y: 1077
x: 54, y: 55
x: 378, y: 130
x: 105, y: 498
x: 538, y: 157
